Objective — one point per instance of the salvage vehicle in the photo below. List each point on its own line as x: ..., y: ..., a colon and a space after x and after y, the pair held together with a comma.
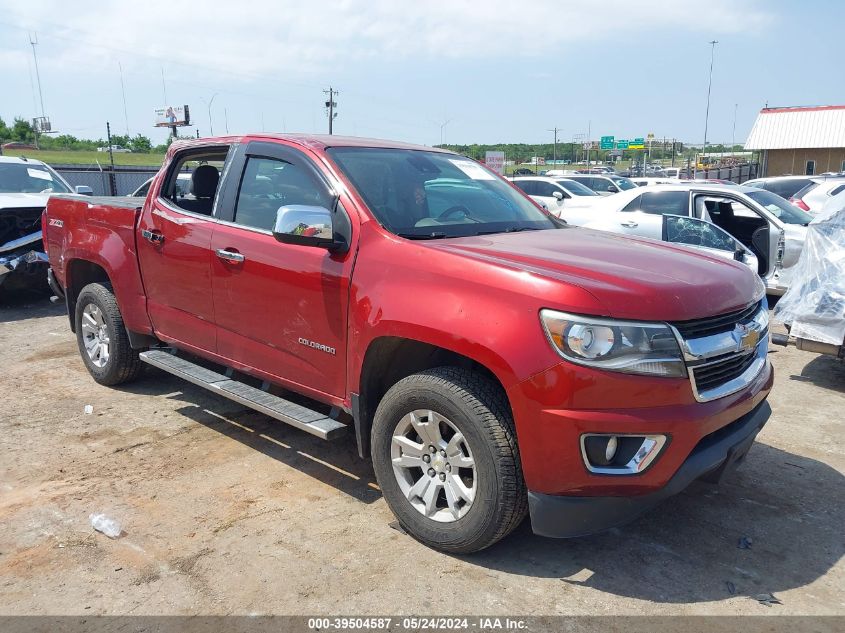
x: 561, y: 197
x: 813, y: 309
x: 25, y: 186
x: 766, y: 224
x: 492, y: 361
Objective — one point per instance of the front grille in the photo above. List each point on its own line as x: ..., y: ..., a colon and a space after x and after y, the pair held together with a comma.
x: 15, y: 223
x: 717, y: 373
x: 697, y: 328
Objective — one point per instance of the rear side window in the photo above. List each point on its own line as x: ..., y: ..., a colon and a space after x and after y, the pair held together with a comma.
x: 665, y: 202
x: 526, y: 186
x: 204, y: 167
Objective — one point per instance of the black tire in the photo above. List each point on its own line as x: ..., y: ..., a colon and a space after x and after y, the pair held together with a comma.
x: 479, y: 410
x: 123, y: 364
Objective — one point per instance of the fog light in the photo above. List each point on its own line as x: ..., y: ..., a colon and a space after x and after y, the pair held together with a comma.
x: 620, y: 454
x: 601, y: 449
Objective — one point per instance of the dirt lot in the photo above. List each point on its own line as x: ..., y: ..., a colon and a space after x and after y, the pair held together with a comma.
x: 228, y: 512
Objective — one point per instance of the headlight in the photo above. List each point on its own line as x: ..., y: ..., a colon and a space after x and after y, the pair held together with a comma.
x: 626, y: 346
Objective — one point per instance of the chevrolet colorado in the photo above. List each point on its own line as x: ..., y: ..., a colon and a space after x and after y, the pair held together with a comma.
x: 492, y: 361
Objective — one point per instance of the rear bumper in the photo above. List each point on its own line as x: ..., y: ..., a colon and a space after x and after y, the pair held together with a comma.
x: 561, y: 516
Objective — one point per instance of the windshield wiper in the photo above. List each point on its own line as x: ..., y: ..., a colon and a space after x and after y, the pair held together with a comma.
x: 422, y: 236
x: 513, y: 229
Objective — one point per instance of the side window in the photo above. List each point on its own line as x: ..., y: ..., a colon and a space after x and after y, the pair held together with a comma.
x: 633, y: 205
x: 545, y: 189
x: 527, y: 186
x: 269, y: 184
x: 837, y: 190
x: 694, y: 232
x: 665, y: 202
x: 811, y: 168
x: 204, y: 168
x: 144, y: 189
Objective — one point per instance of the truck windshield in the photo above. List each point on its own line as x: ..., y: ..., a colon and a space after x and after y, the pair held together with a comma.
x: 428, y: 195
x: 32, y: 178
x: 784, y: 211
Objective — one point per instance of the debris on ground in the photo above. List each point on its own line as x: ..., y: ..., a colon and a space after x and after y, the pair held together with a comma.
x: 731, y: 587
x: 104, y: 524
x: 745, y: 542
x: 89, y: 409
x: 767, y: 599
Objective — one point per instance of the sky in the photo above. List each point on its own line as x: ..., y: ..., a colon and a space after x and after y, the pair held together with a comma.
x: 460, y: 71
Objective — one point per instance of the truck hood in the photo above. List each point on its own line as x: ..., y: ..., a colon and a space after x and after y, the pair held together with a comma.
x: 634, y: 278
x: 23, y: 200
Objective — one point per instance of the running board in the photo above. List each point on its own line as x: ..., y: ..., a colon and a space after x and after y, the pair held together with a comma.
x: 296, y: 415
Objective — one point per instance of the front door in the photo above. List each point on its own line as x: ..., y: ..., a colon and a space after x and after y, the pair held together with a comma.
x: 280, y: 308
x: 173, y: 250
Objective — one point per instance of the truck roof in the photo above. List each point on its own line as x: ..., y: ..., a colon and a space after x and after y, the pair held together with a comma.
x: 312, y: 141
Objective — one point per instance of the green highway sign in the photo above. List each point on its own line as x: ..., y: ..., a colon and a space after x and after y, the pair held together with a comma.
x: 622, y: 143
x: 606, y: 142
x: 637, y: 143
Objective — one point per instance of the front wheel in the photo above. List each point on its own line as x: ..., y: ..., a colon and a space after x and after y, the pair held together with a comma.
x: 101, y: 336
x: 445, y: 456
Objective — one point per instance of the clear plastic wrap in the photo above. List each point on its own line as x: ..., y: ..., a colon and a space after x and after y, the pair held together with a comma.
x: 814, y: 304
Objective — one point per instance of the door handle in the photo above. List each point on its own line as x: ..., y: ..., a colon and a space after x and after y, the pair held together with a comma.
x: 232, y: 257
x: 152, y: 236
x: 629, y: 224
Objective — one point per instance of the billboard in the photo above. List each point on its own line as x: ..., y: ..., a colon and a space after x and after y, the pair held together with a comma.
x: 170, y: 116
x: 495, y: 161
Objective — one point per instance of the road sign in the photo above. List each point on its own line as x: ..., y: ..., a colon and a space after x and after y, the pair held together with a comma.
x: 622, y: 143
x: 637, y: 143
x: 588, y: 145
x: 606, y: 142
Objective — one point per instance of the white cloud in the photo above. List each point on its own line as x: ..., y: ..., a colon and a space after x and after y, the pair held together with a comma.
x: 265, y: 37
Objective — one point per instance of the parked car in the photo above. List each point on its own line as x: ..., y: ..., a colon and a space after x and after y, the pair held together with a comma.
x: 813, y: 309
x: 672, y: 172
x: 523, y: 171
x: 115, y: 149
x: 183, y: 183
x: 784, y: 186
x: 646, y: 182
x: 816, y: 194
x: 491, y: 360
x: 772, y: 228
x: 18, y: 145
x: 562, y: 197
x: 25, y: 186
x: 603, y: 185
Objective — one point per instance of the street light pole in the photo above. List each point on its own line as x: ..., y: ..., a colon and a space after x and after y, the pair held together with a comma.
x: 709, y: 86
x: 442, y: 129
x: 210, y: 124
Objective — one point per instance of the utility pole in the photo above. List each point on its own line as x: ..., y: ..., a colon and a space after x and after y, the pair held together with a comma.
x: 123, y: 92
x: 226, y: 119
x: 210, y: 124
x: 34, y: 43
x: 554, y: 151
x: 331, y: 104
x: 709, y: 86
x: 163, y: 86
x: 733, y: 134
x: 112, y: 181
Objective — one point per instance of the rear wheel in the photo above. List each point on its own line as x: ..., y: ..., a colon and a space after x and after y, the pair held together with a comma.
x: 445, y: 456
x: 102, y: 339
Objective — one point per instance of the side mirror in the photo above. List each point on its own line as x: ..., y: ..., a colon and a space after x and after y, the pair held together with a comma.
x: 84, y: 190
x: 307, y: 226
x: 557, y: 195
x: 613, y: 189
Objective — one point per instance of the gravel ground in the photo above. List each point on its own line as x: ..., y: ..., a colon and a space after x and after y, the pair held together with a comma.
x: 225, y: 511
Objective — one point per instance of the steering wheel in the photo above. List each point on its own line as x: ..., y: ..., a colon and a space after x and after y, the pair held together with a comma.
x: 454, y: 210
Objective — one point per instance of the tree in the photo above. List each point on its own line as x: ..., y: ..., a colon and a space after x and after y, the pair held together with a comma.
x: 22, y: 131
x: 5, y: 132
x: 140, y: 143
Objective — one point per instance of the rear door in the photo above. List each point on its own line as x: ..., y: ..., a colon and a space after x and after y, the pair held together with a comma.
x: 174, y: 249
x: 280, y: 309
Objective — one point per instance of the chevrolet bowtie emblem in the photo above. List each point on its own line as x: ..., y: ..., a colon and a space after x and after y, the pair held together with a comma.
x: 746, y: 337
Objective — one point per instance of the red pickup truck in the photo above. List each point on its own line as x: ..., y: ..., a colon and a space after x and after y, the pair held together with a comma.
x: 491, y: 360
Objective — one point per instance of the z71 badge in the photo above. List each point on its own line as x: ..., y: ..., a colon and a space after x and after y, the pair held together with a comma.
x: 55, y: 222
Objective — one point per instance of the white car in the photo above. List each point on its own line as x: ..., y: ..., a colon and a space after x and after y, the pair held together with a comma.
x: 647, y: 182
x: 25, y: 186
x: 603, y: 184
x: 764, y: 223
x: 115, y: 149
x: 815, y: 195
x: 562, y: 197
